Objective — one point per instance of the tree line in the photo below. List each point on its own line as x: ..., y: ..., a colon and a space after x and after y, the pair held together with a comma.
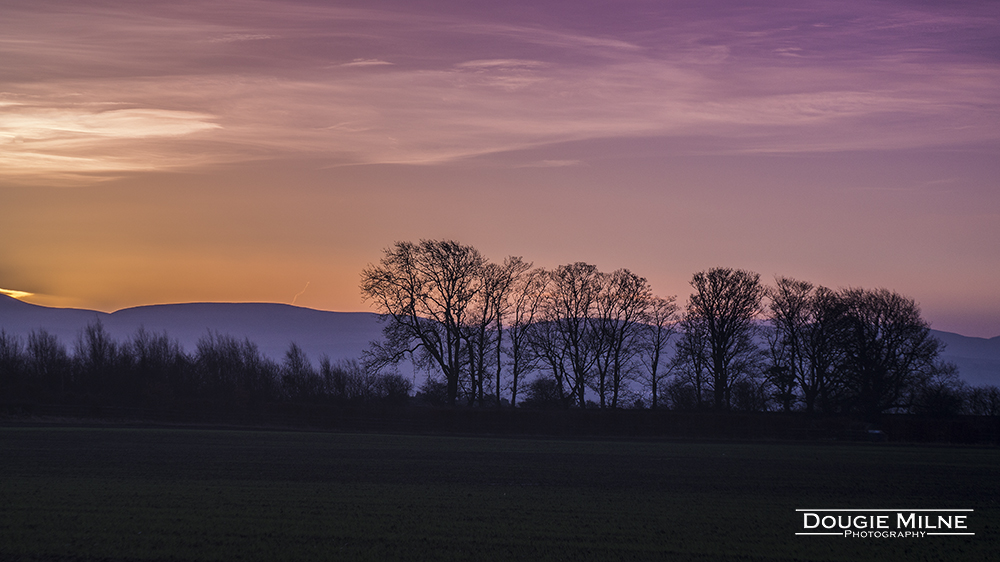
x: 151, y: 370
x: 493, y: 334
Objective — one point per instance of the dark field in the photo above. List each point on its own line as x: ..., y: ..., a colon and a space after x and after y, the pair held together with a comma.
x: 175, y: 494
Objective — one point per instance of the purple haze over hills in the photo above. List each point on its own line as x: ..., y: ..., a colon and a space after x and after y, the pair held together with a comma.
x: 338, y: 335
x: 273, y: 327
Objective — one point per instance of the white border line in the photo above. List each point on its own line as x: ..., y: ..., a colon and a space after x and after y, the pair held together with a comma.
x: 892, y: 510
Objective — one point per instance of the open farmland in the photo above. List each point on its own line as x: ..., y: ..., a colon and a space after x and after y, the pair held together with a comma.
x: 116, y: 494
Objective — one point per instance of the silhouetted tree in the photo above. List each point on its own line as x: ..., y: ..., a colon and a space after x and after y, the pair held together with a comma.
x: 522, y: 308
x: 886, y: 348
x: 12, y: 366
x: 725, y: 305
x: 394, y: 389
x: 803, y: 348
x: 485, y: 329
x: 690, y: 362
x: 433, y: 392
x: 657, y: 327
x: 550, y: 354
x: 161, y: 370
x: 345, y: 380
x: 568, y: 340
x: 940, y: 394
x: 984, y: 400
x: 542, y: 393
x: 425, y: 291
x: 749, y: 394
x: 48, y: 365
x: 508, y: 301
x: 681, y: 394
x: 821, y: 351
x: 234, y: 373
x: 298, y: 378
x: 789, y: 309
x: 97, y: 358
x: 618, y: 311
x: 334, y: 378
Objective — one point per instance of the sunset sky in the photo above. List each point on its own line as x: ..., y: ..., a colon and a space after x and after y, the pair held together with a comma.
x: 175, y: 151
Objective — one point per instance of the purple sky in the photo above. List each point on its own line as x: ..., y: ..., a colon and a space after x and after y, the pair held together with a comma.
x: 267, y: 151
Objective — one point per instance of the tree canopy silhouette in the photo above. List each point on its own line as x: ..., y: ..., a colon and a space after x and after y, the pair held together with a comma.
x: 722, y: 313
x: 426, y: 291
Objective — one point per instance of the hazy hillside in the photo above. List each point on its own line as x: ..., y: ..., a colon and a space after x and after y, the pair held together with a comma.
x: 339, y: 335
x: 978, y: 359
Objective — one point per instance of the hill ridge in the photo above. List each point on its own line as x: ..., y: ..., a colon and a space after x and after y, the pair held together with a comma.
x: 338, y: 335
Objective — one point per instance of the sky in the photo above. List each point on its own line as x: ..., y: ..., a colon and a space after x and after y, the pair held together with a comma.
x: 157, y: 152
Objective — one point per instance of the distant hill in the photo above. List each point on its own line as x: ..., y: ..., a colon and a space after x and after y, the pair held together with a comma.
x: 338, y: 335
x: 978, y: 359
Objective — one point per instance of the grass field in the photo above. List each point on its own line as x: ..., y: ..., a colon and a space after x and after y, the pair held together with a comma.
x: 116, y: 494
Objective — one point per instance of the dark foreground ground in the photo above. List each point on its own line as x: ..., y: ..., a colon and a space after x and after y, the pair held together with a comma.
x: 117, y: 494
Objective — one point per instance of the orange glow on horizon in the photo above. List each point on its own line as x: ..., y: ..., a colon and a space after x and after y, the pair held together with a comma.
x: 15, y: 294
x: 163, y: 152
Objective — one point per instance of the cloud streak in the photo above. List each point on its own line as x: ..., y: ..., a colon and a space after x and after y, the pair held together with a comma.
x: 813, y: 80
x: 71, y: 141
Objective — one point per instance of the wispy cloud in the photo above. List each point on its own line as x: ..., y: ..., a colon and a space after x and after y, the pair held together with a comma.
x: 73, y: 142
x: 551, y: 164
x: 367, y: 62
x: 232, y: 37
x: 452, y: 86
x: 502, y: 63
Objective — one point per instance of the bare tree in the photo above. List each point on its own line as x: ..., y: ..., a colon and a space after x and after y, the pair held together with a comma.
x: 887, y: 348
x: 984, y: 401
x: 619, y: 308
x: 234, y: 372
x: 804, y: 345
x: 480, y: 331
x: 546, y: 342
x: 159, y: 365
x: 522, y: 308
x: 569, y: 309
x: 298, y: 378
x: 726, y: 303
x: 563, y: 337
x: 12, y: 365
x: 941, y: 393
x: 690, y: 362
x: 485, y: 330
x: 658, y: 325
x: 821, y: 350
x: 96, y: 355
x: 508, y: 302
x: 425, y: 291
x: 48, y: 363
x: 789, y: 313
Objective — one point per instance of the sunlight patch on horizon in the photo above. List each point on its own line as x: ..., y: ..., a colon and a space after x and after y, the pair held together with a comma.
x: 15, y: 294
